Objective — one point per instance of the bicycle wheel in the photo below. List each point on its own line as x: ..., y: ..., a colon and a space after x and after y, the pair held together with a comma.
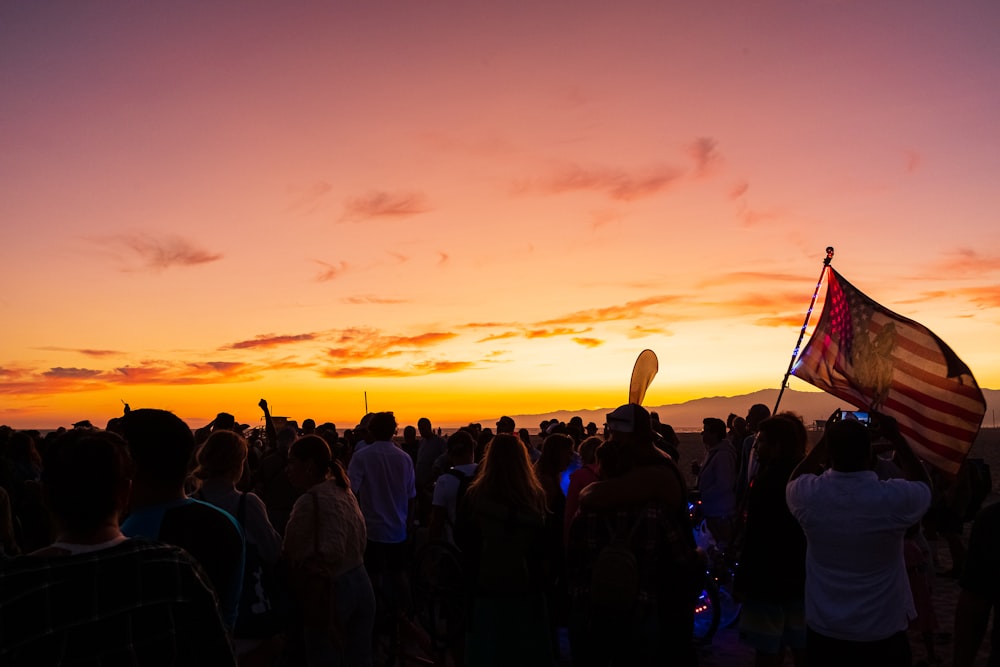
x: 707, y: 612
x: 729, y: 609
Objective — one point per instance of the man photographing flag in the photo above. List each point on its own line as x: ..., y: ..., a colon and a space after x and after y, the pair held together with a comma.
x: 858, y: 599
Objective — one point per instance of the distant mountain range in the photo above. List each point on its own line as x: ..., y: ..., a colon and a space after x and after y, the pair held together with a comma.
x: 812, y: 406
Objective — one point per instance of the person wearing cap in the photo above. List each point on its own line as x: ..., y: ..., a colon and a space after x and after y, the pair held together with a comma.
x: 505, y: 425
x: 641, y: 493
x: 858, y: 599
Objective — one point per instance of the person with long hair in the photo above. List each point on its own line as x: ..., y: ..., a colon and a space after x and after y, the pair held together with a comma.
x: 771, y: 576
x: 221, y: 461
x: 501, y: 532
x: 324, y: 548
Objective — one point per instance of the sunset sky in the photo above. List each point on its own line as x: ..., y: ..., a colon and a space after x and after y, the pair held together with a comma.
x: 467, y: 209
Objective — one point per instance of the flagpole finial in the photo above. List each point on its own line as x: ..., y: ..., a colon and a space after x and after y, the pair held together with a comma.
x: 829, y: 255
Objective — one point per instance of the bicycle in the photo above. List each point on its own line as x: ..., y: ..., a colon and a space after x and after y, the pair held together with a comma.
x: 715, y: 607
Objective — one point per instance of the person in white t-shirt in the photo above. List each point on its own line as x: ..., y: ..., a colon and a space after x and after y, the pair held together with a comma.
x: 858, y: 600
x: 449, y: 486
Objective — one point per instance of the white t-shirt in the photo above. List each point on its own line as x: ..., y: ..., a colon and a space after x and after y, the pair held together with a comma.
x: 856, y: 583
x: 446, y: 494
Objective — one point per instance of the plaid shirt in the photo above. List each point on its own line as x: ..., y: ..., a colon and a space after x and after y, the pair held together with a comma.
x: 664, y: 550
x: 137, y: 603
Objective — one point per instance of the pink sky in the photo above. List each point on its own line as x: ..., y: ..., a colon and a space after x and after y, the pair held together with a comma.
x: 468, y: 209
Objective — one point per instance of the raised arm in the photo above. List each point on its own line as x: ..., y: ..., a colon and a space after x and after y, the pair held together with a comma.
x: 269, y: 429
x: 907, y: 461
x: 818, y: 456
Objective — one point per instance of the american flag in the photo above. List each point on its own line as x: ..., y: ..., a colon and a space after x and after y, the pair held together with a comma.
x: 875, y: 359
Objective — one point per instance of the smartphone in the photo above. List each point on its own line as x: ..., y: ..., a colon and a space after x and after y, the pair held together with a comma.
x: 860, y: 416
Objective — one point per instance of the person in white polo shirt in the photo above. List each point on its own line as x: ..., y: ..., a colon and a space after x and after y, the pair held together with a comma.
x: 858, y: 601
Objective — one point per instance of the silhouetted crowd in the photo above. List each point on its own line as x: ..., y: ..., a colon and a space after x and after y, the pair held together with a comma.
x: 150, y: 543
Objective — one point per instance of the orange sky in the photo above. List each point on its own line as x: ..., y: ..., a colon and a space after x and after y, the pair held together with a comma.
x: 467, y: 209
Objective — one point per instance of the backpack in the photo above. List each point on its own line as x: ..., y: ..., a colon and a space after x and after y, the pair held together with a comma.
x: 463, y: 484
x: 260, y: 610
x: 614, y: 577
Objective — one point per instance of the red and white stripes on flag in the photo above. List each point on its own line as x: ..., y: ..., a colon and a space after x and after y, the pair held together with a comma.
x: 875, y: 359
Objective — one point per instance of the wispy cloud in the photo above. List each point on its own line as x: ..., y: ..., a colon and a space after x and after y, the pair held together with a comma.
x: 72, y: 373
x: 307, y: 199
x: 747, y: 214
x: 739, y: 189
x: 383, y: 204
x: 416, y: 369
x: 156, y: 253
x: 330, y: 271
x: 28, y: 382
x: 965, y: 261
x: 269, y: 340
x: 987, y: 296
x: 499, y: 336
x: 190, y: 373
x: 639, y: 331
x: 83, y: 351
x: 588, y: 342
x: 742, y: 277
x: 781, y: 321
x: 625, y: 311
x: 751, y: 217
x: 358, y: 344
x: 551, y: 333
x: 704, y: 152
x: 617, y: 184
x: 913, y: 160
x: 377, y: 300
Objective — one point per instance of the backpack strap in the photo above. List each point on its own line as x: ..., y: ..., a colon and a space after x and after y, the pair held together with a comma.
x: 463, y: 484
x: 627, y: 538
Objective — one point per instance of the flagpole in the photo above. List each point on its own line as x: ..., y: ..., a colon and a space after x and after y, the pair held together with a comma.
x: 802, y: 334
